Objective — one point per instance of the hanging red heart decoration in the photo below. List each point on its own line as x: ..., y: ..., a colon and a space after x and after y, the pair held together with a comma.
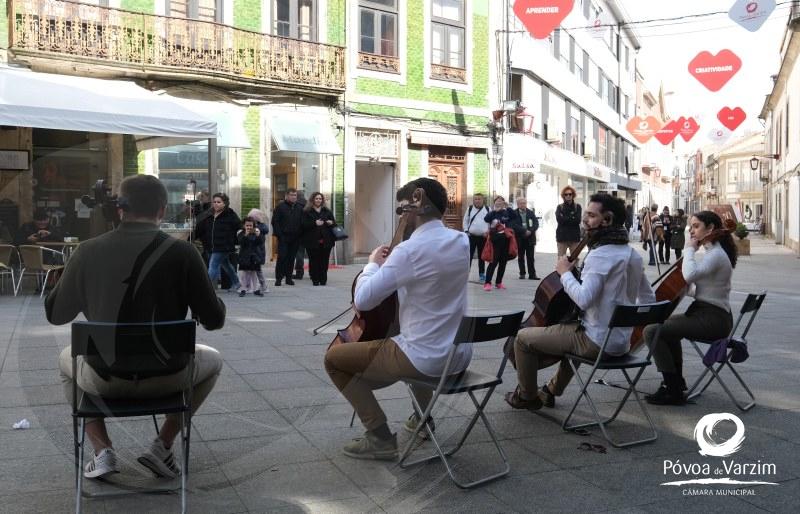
x: 714, y: 71
x: 642, y: 129
x: 731, y: 118
x: 668, y: 132
x: 688, y: 127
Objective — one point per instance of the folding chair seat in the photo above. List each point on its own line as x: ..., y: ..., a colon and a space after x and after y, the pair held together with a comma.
x: 751, y: 306
x: 32, y: 258
x: 7, y: 254
x: 471, y: 330
x: 140, y: 350
x: 625, y: 316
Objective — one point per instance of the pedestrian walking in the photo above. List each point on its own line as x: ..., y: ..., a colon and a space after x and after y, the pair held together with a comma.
x: 261, y: 224
x: 477, y: 229
x: 526, y: 238
x: 318, y: 239
x: 217, y: 231
x: 678, y: 229
x: 499, y: 219
x: 251, y: 244
x: 568, y: 219
x: 287, y: 226
x: 666, y: 222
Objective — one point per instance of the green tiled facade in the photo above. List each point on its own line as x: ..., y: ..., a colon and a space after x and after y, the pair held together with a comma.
x: 131, y: 156
x: 247, y: 14
x: 414, y: 163
x: 251, y: 163
x: 147, y: 6
x: 481, y: 173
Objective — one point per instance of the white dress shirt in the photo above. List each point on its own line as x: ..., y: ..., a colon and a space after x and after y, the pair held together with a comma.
x: 429, y: 272
x: 710, y: 277
x: 611, y: 275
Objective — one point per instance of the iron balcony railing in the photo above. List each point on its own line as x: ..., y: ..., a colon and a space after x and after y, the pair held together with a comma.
x: 149, y: 43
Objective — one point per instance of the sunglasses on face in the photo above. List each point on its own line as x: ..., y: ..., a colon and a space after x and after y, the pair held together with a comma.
x: 568, y: 194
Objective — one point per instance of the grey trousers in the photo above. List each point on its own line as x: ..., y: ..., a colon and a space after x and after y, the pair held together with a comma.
x: 701, y: 322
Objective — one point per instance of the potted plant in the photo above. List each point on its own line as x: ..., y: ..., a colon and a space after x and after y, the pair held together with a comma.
x: 742, y: 243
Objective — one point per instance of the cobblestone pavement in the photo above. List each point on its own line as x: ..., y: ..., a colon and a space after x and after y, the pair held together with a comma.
x: 268, y: 438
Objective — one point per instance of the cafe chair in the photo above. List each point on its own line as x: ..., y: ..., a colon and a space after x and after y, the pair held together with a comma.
x: 7, y: 252
x: 624, y: 316
x: 148, y: 349
x: 471, y: 330
x: 32, y: 259
x: 750, y: 307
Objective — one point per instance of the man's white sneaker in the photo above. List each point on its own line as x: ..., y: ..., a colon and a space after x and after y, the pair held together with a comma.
x: 160, y: 460
x: 102, y: 464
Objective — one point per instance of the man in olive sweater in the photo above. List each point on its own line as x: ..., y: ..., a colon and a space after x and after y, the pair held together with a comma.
x: 136, y: 274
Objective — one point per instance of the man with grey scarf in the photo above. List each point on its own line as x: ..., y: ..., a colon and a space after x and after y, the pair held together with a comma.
x: 612, y: 274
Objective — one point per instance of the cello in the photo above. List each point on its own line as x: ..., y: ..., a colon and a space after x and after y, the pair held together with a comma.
x: 382, y: 321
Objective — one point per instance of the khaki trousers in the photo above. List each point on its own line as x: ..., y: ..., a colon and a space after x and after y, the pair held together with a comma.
x: 207, y: 365
x: 540, y: 347
x: 358, y: 368
x: 563, y: 247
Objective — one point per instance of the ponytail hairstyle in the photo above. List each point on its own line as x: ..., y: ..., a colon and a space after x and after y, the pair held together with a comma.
x: 726, y: 240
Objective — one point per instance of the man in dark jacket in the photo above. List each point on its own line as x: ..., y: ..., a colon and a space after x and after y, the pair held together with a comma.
x: 38, y: 230
x: 568, y: 217
x: 136, y: 274
x: 301, y: 250
x: 526, y: 238
x: 287, y: 226
x: 218, y: 231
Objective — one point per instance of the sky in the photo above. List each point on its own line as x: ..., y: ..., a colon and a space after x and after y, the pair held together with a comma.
x: 667, y: 50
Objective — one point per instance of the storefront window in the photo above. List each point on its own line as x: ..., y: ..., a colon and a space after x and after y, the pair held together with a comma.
x: 178, y: 165
x: 518, y: 183
x: 294, y: 169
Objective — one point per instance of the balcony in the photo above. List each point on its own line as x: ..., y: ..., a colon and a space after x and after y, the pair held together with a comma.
x: 59, y: 35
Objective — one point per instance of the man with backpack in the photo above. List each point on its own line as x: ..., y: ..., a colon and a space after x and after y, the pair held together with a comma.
x: 476, y: 228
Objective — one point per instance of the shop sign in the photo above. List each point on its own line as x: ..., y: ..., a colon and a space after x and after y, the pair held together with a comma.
x: 18, y: 160
x: 597, y: 172
x: 714, y: 71
x: 439, y: 139
x: 751, y: 14
x: 182, y: 160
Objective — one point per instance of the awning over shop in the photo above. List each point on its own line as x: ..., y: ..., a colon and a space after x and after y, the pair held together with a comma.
x: 229, y: 119
x: 43, y: 100
x: 306, y: 135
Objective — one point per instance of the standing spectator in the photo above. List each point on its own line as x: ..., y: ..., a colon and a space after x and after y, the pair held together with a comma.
x: 301, y: 251
x: 501, y: 218
x: 261, y: 225
x: 629, y: 217
x: 526, y: 238
x: 477, y: 229
x: 568, y: 217
x: 287, y: 226
x: 218, y: 234
x: 251, y: 244
x: 318, y: 237
x: 678, y: 229
x: 666, y: 223
x: 652, y: 232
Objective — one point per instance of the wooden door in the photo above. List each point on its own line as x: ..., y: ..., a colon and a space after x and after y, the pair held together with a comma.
x: 283, y: 177
x: 448, y: 170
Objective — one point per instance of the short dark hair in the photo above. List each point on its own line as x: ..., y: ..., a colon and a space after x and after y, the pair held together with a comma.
x: 40, y: 214
x: 249, y: 219
x: 142, y: 195
x: 612, y: 205
x: 223, y: 197
x: 290, y: 190
x: 434, y: 191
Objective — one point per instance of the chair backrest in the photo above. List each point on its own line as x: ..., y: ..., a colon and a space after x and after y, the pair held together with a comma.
x: 639, y: 315
x: 32, y: 257
x: 478, y: 329
x: 143, y: 349
x: 751, y: 305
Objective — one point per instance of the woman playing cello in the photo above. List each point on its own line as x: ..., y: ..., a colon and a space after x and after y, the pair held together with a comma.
x: 708, y: 318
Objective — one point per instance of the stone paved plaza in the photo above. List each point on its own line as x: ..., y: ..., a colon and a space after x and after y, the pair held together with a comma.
x: 268, y: 438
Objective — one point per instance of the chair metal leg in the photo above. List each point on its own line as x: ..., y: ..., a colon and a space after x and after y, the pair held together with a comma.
x: 44, y: 283
x: 603, y: 422
x: 715, y: 374
x: 185, y: 428
x: 443, y: 454
x: 79, y: 466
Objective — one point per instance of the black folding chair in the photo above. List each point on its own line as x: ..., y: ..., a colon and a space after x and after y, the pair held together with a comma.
x: 751, y: 306
x: 624, y: 316
x: 131, y: 351
x: 472, y: 330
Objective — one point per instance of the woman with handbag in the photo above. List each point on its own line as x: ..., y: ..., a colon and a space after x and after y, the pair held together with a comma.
x: 502, y: 217
x: 318, y: 238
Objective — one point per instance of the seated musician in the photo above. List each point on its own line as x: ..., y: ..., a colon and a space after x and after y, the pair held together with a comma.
x: 612, y: 274
x: 709, y: 317
x: 429, y: 271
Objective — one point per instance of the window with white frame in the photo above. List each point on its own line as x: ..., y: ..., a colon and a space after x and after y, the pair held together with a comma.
x: 612, y: 144
x: 602, y: 143
x: 447, y: 39
x: 575, y: 131
x: 563, y: 47
x: 377, y: 29
x: 204, y: 10
x: 296, y: 19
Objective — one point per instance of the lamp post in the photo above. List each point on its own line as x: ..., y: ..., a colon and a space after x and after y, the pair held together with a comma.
x: 764, y: 176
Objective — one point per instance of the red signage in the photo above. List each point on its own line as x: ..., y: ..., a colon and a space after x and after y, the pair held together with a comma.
x: 668, y: 132
x: 541, y: 17
x: 714, y: 71
x: 688, y: 127
x: 643, y: 129
x: 731, y: 118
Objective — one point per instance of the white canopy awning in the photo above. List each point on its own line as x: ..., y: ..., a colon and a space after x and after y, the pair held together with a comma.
x: 43, y: 100
x: 303, y: 133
